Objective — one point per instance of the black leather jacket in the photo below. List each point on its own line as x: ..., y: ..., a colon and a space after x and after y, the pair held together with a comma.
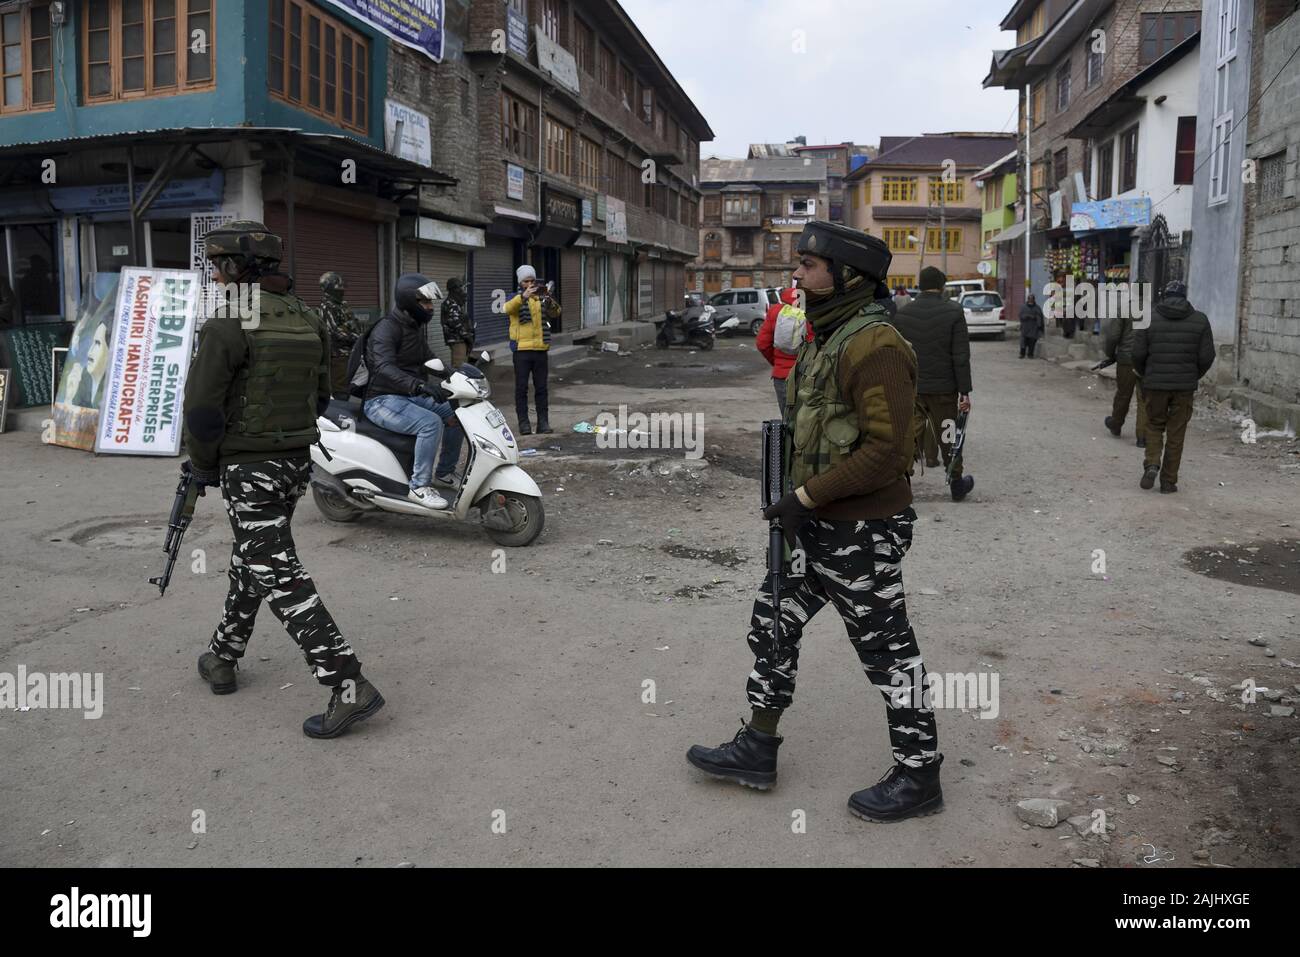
x: 395, y: 355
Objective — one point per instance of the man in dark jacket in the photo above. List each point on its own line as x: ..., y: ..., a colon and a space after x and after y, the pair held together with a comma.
x: 251, y: 401
x: 399, y: 399
x: 1171, y: 356
x: 936, y: 328
x: 1033, y: 326
x: 1119, y: 347
x: 457, y: 326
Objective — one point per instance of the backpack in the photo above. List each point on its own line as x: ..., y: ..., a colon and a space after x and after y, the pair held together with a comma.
x: 789, y: 326
x: 358, y: 373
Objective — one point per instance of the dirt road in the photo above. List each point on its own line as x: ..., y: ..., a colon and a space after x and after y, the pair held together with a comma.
x: 518, y: 697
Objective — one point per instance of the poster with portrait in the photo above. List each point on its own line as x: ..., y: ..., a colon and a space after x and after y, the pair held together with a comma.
x: 80, y: 389
x: 4, y: 397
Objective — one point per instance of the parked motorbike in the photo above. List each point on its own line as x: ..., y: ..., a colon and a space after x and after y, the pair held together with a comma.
x: 358, y: 467
x: 676, y: 329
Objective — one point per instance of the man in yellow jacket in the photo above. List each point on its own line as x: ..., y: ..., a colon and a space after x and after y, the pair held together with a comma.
x: 530, y: 315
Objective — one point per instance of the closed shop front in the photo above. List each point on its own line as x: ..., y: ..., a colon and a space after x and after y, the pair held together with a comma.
x: 438, y: 263
x: 569, y: 288
x: 328, y: 241
x: 594, y: 303
x: 493, y: 270
x: 620, y: 275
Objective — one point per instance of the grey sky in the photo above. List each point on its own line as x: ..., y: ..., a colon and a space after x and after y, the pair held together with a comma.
x: 872, y: 67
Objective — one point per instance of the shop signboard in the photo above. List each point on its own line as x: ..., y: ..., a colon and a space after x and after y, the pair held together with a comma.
x: 1111, y: 214
x: 417, y: 24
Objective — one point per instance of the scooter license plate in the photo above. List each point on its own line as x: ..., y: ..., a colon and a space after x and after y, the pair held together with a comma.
x: 496, y: 418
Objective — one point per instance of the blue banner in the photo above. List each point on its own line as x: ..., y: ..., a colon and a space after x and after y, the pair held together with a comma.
x: 414, y: 23
x: 1110, y: 214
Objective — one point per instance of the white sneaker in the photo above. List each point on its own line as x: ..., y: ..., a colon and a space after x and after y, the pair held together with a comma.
x: 449, y: 481
x: 428, y: 498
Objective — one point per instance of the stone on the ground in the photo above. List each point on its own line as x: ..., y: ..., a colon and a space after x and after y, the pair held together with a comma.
x: 1043, y: 812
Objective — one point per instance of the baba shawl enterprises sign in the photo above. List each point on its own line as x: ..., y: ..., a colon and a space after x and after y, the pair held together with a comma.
x: 153, y: 337
x: 414, y: 23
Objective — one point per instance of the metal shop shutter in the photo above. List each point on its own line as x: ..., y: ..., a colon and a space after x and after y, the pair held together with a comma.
x: 329, y: 241
x: 439, y: 264
x: 661, y: 288
x: 493, y: 269
x: 570, y: 291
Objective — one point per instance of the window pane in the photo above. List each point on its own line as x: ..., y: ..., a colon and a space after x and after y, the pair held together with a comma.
x: 133, y: 74
x: 133, y: 40
x: 313, y: 61
x: 11, y: 24
x: 100, y: 15
x: 164, y: 36
x: 198, y: 66
x: 132, y: 11
x: 295, y: 53
x: 101, y: 79
x: 99, y: 46
x: 164, y: 69
x: 163, y: 9
x: 13, y: 58
x: 361, y: 85
x: 331, y: 69
x: 13, y: 91
x: 42, y: 91
x: 40, y: 18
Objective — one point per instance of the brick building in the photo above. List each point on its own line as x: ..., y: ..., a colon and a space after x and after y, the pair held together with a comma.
x: 919, y: 196
x: 753, y: 213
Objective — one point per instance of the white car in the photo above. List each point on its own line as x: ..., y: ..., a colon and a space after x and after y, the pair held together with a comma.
x: 984, y: 314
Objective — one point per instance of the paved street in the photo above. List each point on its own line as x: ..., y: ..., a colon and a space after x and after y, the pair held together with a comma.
x: 521, y: 692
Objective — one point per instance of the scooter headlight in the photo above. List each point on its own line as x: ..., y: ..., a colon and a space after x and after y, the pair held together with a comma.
x: 482, y: 388
x: 491, y: 449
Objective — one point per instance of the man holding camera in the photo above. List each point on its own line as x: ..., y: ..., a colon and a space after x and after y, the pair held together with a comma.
x: 530, y: 315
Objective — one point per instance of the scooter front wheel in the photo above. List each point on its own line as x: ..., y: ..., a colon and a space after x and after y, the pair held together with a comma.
x: 525, y: 515
x: 661, y: 341
x: 333, y: 508
x: 704, y: 342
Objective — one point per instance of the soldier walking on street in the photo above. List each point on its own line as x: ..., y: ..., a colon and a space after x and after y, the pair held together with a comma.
x: 1171, y: 356
x: 936, y: 328
x: 457, y: 326
x: 849, y: 419
x: 1119, y: 347
x: 343, y: 328
x: 251, y: 401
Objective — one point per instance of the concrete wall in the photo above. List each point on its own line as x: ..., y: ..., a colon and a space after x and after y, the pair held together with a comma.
x: 1270, y: 355
x: 1217, y: 230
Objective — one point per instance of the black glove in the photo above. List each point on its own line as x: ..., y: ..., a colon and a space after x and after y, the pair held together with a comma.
x: 435, y: 392
x: 201, y: 476
x: 792, y: 513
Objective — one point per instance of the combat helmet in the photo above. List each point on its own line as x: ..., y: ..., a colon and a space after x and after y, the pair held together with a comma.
x: 864, y: 254
x: 243, y: 237
x: 331, y: 282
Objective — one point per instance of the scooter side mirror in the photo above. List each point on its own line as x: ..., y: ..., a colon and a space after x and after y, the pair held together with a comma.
x: 435, y: 365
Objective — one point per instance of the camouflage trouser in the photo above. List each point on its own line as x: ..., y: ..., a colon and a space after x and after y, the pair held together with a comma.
x: 858, y: 567
x: 260, y: 498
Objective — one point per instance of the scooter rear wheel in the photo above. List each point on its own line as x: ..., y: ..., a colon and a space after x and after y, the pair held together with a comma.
x: 332, y: 508
x: 529, y: 521
x: 661, y: 341
x: 703, y: 342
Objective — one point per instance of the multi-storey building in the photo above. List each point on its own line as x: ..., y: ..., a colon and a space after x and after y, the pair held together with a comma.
x: 1071, y: 57
x: 540, y: 130
x: 998, y: 186
x: 919, y: 196
x: 754, y: 211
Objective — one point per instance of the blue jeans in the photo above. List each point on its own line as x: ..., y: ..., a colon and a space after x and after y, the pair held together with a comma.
x: 423, y: 417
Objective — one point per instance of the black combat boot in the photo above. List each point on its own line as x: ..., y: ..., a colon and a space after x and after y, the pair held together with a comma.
x: 961, y: 487
x: 902, y: 793
x: 362, y: 700
x: 217, y: 672
x: 525, y: 427
x: 1114, y: 429
x: 543, y: 425
x: 749, y: 758
x: 1168, y: 487
x: 1149, y: 476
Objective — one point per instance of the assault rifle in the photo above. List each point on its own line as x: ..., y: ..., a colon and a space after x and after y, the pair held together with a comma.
x: 773, y: 489
x: 958, y: 443
x: 187, y: 495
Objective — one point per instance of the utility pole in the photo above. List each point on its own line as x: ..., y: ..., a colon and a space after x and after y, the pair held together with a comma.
x: 943, y: 224
x: 1029, y: 197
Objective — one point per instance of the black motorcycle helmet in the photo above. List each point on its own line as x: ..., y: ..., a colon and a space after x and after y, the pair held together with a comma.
x: 415, y: 296
x: 863, y: 254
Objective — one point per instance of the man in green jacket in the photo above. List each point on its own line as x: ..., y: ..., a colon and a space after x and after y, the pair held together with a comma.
x: 1119, y: 347
x: 1171, y: 356
x: 936, y: 328
x: 253, y: 393
x: 849, y: 511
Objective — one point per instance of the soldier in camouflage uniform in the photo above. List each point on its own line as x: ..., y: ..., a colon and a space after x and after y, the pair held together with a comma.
x: 850, y: 400
x: 251, y: 402
x: 343, y: 326
x: 457, y: 326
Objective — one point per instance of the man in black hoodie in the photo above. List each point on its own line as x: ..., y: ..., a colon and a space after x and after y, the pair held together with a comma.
x: 397, y: 396
x: 936, y: 328
x: 1171, y: 356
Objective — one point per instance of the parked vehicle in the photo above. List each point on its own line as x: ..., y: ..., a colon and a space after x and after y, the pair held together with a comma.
x: 957, y: 288
x: 984, y: 314
x: 689, y: 328
x: 358, y: 467
x: 749, y: 306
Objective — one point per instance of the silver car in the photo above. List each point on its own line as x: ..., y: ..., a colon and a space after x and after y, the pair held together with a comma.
x: 747, y: 306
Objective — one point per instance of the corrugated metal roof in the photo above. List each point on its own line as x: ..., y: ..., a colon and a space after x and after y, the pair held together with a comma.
x: 774, y: 169
x: 932, y: 149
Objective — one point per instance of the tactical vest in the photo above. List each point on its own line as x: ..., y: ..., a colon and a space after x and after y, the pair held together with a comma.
x: 824, y: 426
x: 273, y: 402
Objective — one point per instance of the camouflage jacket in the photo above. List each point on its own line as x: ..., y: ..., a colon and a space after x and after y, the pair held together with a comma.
x: 457, y: 326
x: 343, y: 326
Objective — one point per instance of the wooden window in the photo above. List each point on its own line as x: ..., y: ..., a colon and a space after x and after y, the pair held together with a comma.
x: 1161, y: 32
x: 1220, y: 155
x: 901, y: 281
x: 1063, y: 87
x: 589, y: 163
x: 551, y: 20
x: 713, y: 247
x: 518, y: 127
x: 1106, y: 169
x: 1060, y: 165
x: 626, y: 86
x: 954, y: 192
x: 772, y: 249
x: 1033, y: 26
x: 774, y: 204
x: 1038, y: 104
x: 26, y: 73
x: 1038, y: 185
x: 940, y: 240
x: 559, y: 148
x: 898, y: 189
x: 1094, y: 59
x: 585, y: 49
x: 742, y: 244
x: 899, y: 240
x: 645, y: 97
x: 1185, y: 151
x: 713, y: 209
x: 1272, y: 177
x: 1128, y: 159
x: 318, y: 65
x: 139, y: 48
x: 608, y: 72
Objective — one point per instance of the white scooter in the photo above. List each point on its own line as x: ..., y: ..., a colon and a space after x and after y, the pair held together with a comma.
x: 358, y: 467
